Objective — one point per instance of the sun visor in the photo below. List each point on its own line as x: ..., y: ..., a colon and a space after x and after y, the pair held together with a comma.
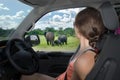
x: 109, y: 16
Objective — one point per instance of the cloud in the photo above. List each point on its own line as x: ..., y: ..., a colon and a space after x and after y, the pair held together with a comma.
x: 49, y: 14
x: 8, y: 24
x: 61, y: 18
x: 69, y: 14
x: 5, y: 17
x: 28, y: 10
x: 42, y: 25
x: 2, y: 7
x: 56, y: 18
x: 11, y: 21
x: 65, y: 18
x: 56, y: 22
x: 18, y: 15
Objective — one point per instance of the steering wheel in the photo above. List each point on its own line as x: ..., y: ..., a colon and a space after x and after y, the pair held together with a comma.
x: 22, y: 56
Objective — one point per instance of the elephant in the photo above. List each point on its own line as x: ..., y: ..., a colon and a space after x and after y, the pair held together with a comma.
x: 49, y: 38
x: 57, y: 42
x: 63, y: 39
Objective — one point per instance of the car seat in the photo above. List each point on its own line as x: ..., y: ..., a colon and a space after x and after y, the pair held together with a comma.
x: 107, y: 66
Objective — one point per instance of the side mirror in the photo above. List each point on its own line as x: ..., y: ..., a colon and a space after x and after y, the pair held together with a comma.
x: 32, y: 40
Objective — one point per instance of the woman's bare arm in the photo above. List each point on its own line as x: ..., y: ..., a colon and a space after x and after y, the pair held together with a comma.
x: 83, y: 65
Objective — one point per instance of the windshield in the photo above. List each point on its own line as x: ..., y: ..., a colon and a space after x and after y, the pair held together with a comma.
x: 12, y: 12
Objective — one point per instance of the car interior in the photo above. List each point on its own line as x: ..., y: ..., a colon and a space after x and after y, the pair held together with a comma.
x: 17, y: 57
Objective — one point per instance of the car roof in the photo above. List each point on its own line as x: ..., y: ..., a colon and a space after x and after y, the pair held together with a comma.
x: 66, y: 3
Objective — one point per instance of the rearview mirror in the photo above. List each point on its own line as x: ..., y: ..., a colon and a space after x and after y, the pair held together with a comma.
x: 32, y: 40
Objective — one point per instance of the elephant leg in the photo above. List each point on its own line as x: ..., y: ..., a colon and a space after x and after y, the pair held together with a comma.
x: 62, y: 43
x: 47, y: 42
x: 52, y: 43
x: 66, y: 42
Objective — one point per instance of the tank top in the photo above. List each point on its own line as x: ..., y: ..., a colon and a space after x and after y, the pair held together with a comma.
x: 68, y: 73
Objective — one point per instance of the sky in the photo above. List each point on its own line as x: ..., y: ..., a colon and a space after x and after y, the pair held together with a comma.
x: 57, y: 19
x: 12, y: 12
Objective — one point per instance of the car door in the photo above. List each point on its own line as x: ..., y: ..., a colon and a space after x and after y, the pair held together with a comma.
x: 53, y: 63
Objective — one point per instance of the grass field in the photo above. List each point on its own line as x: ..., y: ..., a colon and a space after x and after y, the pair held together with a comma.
x: 71, y: 46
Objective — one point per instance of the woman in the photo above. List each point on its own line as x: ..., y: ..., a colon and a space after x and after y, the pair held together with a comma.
x: 89, y: 28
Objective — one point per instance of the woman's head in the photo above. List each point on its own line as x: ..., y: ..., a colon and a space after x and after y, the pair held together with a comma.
x: 89, y: 24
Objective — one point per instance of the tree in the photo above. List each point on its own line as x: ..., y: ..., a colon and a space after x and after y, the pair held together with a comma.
x: 47, y: 29
x: 5, y: 32
x: 69, y: 32
x: 36, y: 32
x: 60, y: 31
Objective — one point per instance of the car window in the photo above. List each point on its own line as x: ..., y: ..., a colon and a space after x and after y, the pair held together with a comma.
x: 60, y: 24
x: 12, y: 12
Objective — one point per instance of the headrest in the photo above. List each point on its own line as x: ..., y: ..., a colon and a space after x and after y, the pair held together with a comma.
x: 109, y: 16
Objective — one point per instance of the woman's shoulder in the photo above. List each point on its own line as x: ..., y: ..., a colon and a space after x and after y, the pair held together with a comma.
x: 84, y: 63
x: 85, y: 59
x: 87, y: 55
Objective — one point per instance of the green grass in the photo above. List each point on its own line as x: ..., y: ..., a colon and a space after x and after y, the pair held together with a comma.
x: 71, y: 46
